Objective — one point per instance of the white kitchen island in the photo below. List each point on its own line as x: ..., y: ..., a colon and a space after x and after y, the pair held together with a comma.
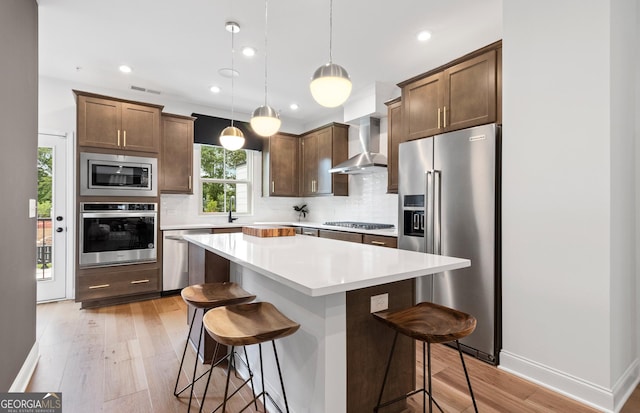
x: 325, y: 285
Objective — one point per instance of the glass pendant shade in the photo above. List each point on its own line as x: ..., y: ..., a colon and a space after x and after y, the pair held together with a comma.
x: 265, y: 121
x: 232, y: 138
x: 330, y: 85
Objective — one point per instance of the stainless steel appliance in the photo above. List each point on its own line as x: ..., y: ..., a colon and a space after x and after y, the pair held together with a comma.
x: 117, y: 233
x: 359, y: 225
x: 104, y: 174
x: 175, y: 258
x: 449, y: 204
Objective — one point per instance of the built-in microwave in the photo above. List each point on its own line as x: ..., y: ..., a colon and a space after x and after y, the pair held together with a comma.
x: 103, y: 174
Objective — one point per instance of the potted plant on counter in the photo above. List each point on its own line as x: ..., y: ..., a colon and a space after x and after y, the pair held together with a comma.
x: 302, y: 211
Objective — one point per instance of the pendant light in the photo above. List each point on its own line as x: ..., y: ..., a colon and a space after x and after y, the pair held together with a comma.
x: 265, y: 120
x: 330, y: 85
x: 231, y: 137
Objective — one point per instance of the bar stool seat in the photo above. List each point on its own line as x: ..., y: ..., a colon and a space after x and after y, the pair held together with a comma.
x: 205, y: 297
x: 247, y: 324
x: 429, y: 323
x: 211, y: 295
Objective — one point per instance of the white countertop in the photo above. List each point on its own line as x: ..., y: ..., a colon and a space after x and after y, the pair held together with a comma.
x: 391, y: 232
x: 319, y: 266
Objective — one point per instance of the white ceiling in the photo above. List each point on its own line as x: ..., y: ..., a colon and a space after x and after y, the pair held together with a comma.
x: 177, y: 46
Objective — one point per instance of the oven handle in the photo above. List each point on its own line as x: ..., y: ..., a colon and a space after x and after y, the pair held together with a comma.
x: 118, y: 214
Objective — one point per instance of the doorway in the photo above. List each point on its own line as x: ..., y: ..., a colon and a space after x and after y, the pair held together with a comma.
x: 51, y: 238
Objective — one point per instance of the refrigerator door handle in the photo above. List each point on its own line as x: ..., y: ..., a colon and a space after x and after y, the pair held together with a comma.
x: 437, y: 212
x: 428, y: 228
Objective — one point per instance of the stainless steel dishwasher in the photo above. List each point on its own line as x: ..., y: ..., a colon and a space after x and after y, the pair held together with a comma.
x: 175, y: 259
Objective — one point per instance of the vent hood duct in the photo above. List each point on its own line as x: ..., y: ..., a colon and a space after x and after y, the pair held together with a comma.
x: 369, y: 160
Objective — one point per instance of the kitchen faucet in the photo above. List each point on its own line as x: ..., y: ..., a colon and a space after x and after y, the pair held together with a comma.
x: 232, y: 203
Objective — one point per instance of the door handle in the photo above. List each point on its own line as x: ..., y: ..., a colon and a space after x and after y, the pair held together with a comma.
x: 59, y: 229
x: 444, y: 113
x: 125, y: 137
x: 437, y: 212
x: 428, y: 227
x: 118, y: 137
x: 438, y: 118
x: 59, y: 218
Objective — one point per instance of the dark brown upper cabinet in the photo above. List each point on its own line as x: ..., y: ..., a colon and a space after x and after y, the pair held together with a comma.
x: 394, y: 137
x: 281, y: 158
x: 458, y: 95
x: 109, y: 123
x: 176, y: 154
x: 320, y: 150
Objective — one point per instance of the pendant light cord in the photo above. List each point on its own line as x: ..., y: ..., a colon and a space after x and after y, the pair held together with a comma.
x: 233, y: 73
x: 330, y: 30
x: 266, y: 25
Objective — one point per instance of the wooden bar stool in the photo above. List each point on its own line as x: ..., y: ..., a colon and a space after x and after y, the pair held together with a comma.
x: 429, y: 323
x: 205, y: 297
x: 247, y: 324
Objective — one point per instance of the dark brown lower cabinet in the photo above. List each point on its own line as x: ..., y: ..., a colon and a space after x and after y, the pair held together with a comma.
x: 118, y: 283
x: 368, y: 346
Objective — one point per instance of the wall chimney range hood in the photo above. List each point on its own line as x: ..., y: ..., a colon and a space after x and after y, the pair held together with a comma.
x: 369, y: 160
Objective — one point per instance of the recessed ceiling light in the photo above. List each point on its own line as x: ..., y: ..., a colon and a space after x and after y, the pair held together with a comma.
x: 424, y: 35
x: 125, y: 69
x: 248, y: 51
x: 215, y: 89
x: 294, y: 106
x: 226, y: 72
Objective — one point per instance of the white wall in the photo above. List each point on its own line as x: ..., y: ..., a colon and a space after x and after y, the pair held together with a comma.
x: 622, y: 271
x: 567, y: 194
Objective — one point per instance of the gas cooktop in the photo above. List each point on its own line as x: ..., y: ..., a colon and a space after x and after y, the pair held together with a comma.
x: 358, y: 225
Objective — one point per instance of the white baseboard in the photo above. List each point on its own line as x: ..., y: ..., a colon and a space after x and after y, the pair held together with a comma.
x: 596, y: 396
x: 24, y: 375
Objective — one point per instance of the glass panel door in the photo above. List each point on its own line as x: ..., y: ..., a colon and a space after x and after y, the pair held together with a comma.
x: 51, y: 223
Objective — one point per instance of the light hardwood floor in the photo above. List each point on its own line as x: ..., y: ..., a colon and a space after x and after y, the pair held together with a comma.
x: 125, y: 358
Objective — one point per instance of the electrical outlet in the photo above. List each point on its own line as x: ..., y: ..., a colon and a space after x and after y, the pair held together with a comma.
x: 379, y: 302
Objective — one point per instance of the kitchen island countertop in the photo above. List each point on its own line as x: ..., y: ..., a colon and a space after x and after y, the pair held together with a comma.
x: 319, y: 266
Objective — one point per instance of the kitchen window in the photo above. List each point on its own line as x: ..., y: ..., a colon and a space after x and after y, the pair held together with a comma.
x: 225, y: 180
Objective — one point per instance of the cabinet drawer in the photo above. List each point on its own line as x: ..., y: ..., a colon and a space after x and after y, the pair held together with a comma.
x: 116, y: 283
x: 225, y: 230
x: 313, y: 232
x: 341, y: 235
x: 390, y: 242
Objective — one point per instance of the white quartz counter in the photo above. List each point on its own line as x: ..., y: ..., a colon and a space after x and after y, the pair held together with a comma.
x: 390, y: 232
x: 319, y: 266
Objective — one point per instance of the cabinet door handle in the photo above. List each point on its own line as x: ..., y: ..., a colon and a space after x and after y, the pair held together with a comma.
x: 118, y: 137
x: 125, y: 138
x: 139, y: 282
x: 273, y: 186
x: 378, y: 243
x: 309, y: 233
x: 95, y: 287
x: 438, y: 118
x: 444, y: 116
x: 189, y: 182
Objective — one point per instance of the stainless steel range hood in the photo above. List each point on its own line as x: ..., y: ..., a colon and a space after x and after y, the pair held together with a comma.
x: 369, y: 160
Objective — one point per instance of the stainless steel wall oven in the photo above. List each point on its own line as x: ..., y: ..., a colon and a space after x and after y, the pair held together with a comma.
x: 117, y: 233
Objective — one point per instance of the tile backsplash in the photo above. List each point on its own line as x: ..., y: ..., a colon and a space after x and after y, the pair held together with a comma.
x: 367, y: 202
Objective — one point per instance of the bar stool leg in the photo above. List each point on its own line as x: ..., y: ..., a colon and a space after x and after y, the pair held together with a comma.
x: 184, y: 352
x: 386, y: 372
x: 195, y: 364
x: 206, y: 387
x: 253, y: 391
x: 284, y: 394
x: 429, y: 368
x: 464, y: 366
x: 226, y: 387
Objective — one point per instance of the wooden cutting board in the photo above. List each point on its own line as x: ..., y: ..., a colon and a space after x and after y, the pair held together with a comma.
x: 269, y: 231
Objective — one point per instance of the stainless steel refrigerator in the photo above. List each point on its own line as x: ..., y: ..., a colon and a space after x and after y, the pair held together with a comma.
x: 449, y: 204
